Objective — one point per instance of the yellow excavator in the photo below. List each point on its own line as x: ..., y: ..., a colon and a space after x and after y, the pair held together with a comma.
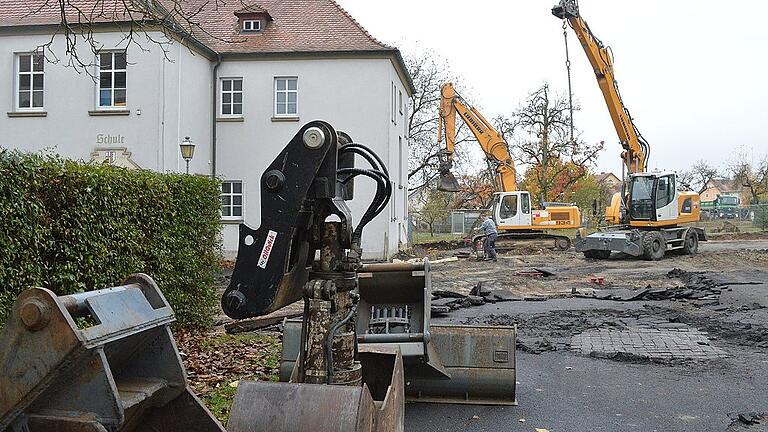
x: 647, y: 217
x: 512, y: 210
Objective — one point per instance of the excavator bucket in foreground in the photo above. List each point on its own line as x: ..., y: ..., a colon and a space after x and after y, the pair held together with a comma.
x: 377, y: 405
x: 442, y: 363
x: 95, y: 362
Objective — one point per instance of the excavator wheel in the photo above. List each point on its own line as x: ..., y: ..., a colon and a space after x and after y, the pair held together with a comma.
x: 562, y: 243
x: 597, y: 254
x: 691, y: 244
x: 654, y: 246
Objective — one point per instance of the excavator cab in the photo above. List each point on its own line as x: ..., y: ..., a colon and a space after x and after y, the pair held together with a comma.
x: 654, y: 197
x: 512, y: 209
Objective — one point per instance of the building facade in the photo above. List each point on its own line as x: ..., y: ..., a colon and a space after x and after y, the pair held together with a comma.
x: 240, y: 87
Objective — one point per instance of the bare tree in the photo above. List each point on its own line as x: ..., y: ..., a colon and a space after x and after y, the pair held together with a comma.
x: 699, y: 176
x: 428, y: 72
x: 754, y: 177
x: 542, y: 140
x: 142, y: 23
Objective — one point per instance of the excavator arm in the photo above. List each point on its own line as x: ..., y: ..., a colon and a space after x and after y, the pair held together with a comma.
x: 635, y: 154
x: 490, y: 140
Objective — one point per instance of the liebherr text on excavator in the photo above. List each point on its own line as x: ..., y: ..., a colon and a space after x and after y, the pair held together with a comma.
x: 650, y: 211
x: 515, y: 217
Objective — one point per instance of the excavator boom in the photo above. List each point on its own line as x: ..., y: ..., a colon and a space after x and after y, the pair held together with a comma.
x: 490, y: 140
x: 635, y: 155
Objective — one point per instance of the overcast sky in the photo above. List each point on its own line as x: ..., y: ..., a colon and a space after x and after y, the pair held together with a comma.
x: 694, y: 74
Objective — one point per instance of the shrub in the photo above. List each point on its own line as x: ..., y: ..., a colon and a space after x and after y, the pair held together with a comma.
x: 70, y: 227
x: 761, y: 217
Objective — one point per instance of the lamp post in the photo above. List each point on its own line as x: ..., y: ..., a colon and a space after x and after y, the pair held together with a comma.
x: 187, y: 150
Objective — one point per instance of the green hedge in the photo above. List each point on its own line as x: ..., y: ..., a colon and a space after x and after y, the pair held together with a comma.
x: 761, y: 217
x: 71, y: 227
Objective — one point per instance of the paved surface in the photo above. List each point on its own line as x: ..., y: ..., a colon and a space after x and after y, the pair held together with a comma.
x: 602, y: 365
x: 564, y: 392
x: 697, y: 382
x: 651, y: 343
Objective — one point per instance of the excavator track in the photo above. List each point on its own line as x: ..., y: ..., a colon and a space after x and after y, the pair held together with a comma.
x: 507, y: 240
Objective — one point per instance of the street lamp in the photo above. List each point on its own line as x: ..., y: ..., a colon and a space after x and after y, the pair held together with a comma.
x: 187, y: 150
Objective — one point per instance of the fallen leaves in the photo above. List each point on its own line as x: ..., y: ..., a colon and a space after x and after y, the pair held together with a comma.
x: 217, y: 362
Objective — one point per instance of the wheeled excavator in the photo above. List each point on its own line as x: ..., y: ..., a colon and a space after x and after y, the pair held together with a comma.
x: 106, y: 360
x: 648, y: 216
x: 512, y: 211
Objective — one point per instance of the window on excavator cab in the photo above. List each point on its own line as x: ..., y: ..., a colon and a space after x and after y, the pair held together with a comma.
x: 641, y: 201
x: 508, y: 207
x: 525, y: 203
x: 687, y: 207
x: 665, y: 191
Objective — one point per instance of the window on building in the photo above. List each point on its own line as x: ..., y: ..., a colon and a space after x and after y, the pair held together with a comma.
x: 232, y: 199
x: 400, y: 162
x: 251, y: 25
x: 231, y: 96
x: 30, y: 81
x: 112, y: 82
x: 400, y: 101
x: 286, y: 97
x: 392, y: 101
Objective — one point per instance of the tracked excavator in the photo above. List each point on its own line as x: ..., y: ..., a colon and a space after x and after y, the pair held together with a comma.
x: 512, y: 211
x: 648, y: 216
x: 106, y: 360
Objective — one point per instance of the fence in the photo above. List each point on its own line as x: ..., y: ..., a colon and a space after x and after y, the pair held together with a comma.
x: 721, y: 219
x: 736, y: 218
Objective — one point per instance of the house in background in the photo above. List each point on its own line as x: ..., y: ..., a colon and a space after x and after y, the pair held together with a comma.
x: 240, y: 86
x: 609, y: 184
x: 724, y: 187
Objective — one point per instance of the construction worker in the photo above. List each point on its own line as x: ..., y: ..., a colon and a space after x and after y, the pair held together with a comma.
x: 489, y: 229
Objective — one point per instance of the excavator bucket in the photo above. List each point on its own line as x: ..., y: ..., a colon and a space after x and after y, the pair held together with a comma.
x: 378, y: 405
x: 448, y: 182
x: 442, y: 363
x: 96, y: 361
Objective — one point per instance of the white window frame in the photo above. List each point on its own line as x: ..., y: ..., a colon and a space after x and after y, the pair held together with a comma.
x: 113, y: 88
x: 231, y: 195
x: 232, y: 93
x: 254, y: 24
x: 17, y: 82
x: 392, y: 101
x: 287, y: 92
x: 400, y: 101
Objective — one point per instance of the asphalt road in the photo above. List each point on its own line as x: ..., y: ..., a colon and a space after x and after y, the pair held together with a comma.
x: 565, y: 391
x: 605, y: 395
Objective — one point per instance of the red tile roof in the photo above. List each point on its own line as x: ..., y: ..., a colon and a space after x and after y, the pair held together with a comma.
x: 297, y: 26
x: 725, y: 185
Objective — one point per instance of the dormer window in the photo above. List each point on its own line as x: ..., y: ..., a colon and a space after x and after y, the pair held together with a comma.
x: 251, y: 25
x: 253, y: 19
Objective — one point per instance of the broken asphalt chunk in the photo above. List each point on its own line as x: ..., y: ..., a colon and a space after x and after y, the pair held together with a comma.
x: 502, y: 296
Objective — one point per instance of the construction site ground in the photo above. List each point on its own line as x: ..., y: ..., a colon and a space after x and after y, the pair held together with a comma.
x: 688, y: 353
x: 676, y: 364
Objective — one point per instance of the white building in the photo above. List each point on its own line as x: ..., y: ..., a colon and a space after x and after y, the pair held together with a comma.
x: 241, y: 87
